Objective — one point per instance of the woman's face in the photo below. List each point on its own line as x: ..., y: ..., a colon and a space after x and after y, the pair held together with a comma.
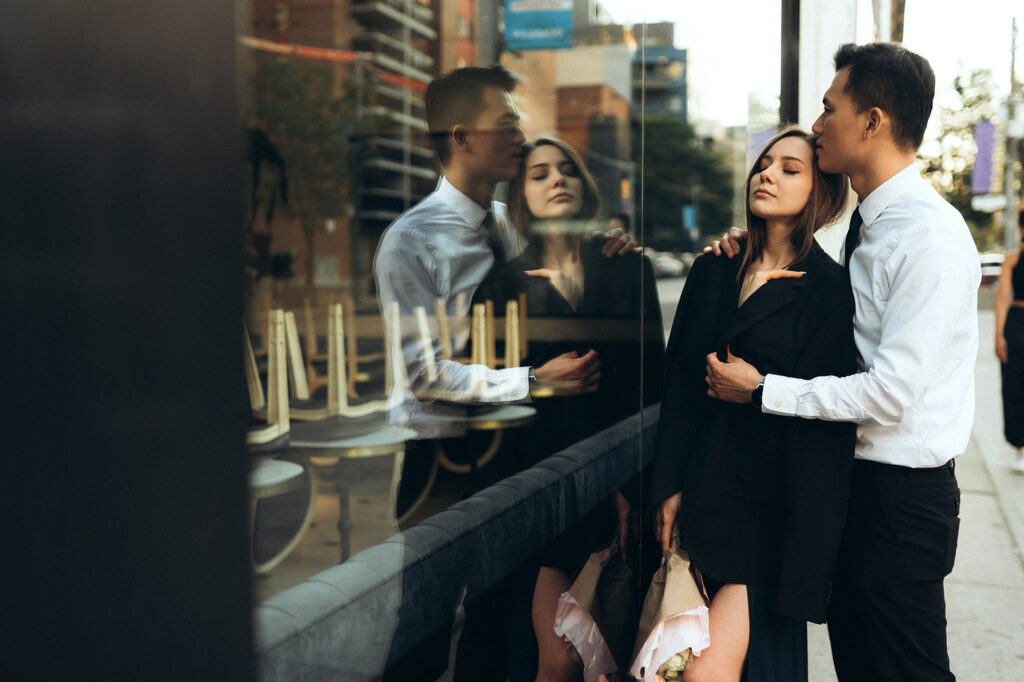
x: 553, y: 188
x: 782, y: 187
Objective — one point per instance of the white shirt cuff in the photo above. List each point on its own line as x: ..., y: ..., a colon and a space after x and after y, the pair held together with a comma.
x: 779, y: 394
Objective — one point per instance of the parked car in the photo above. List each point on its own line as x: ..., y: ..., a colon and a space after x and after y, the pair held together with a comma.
x: 665, y: 264
x: 991, y: 265
x: 687, y: 259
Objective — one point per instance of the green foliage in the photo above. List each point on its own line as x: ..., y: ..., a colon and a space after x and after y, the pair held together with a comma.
x: 309, y: 117
x: 971, y: 100
x: 678, y: 171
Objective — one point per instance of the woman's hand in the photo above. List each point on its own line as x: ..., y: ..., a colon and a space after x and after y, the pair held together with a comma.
x: 1002, y: 351
x: 762, y: 277
x: 563, y: 283
x: 546, y: 273
x: 665, y: 521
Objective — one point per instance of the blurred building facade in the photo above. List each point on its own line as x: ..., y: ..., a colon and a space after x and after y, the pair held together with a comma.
x: 659, y: 73
x: 587, y: 95
x: 397, y: 47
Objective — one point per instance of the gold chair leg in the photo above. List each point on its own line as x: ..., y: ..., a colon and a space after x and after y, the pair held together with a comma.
x: 307, y: 519
x: 418, y: 502
x: 486, y: 457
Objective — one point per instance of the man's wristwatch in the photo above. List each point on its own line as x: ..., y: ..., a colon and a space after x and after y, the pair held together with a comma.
x: 532, y: 374
x: 755, y: 397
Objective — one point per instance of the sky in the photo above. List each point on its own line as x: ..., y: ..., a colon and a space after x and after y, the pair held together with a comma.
x: 735, y: 44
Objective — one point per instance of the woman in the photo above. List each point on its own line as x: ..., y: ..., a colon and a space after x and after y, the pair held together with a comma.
x: 566, y: 276
x: 1010, y: 346
x: 760, y: 500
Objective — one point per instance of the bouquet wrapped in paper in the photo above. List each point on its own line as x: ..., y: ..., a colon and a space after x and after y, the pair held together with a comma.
x: 674, y: 620
x: 595, y: 614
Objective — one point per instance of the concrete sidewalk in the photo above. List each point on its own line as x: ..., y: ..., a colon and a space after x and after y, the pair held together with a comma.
x: 985, y: 592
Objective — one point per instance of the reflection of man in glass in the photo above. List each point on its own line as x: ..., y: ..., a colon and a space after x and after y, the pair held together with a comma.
x: 446, y: 248
x: 451, y: 247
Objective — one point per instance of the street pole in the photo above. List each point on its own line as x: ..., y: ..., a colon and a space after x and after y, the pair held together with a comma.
x: 896, y: 13
x: 789, y: 85
x: 1013, y: 136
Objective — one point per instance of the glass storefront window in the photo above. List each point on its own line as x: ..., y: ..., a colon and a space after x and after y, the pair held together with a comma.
x: 469, y: 329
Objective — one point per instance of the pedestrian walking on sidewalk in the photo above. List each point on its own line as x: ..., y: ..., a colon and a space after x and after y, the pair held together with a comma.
x: 1010, y: 346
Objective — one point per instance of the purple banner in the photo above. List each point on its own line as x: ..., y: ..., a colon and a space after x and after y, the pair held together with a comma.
x: 987, y: 175
x: 756, y: 141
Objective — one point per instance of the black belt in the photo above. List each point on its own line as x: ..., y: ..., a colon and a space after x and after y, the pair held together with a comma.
x: 871, y: 464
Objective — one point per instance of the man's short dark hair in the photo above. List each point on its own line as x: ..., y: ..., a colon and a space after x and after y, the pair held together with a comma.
x: 457, y: 98
x: 894, y: 79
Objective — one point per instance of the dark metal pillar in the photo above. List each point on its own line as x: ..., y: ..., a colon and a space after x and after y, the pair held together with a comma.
x: 123, y: 469
x: 789, y: 90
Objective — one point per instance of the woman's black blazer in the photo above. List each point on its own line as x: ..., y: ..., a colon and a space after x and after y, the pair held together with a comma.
x: 763, y: 496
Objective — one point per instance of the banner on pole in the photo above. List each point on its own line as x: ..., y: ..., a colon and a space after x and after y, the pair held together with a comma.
x: 538, y: 24
x: 987, y: 177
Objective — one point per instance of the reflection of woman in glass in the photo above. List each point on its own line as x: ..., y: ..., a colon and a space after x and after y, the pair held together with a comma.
x: 1010, y: 346
x: 602, y: 302
x: 760, y: 500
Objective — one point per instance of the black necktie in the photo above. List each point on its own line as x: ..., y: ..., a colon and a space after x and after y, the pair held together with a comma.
x: 494, y: 239
x: 490, y: 288
x: 853, y: 236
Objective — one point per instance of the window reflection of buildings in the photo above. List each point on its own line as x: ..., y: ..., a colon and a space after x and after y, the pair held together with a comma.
x: 586, y: 95
x: 398, y: 44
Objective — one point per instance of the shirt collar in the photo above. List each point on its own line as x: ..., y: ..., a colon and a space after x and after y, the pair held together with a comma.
x: 887, y: 192
x: 466, y: 208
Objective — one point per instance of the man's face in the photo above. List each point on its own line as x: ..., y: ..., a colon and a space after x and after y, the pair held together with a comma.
x: 497, y: 139
x: 839, y: 128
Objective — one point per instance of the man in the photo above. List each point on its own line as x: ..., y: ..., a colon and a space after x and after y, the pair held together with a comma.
x: 914, y: 272
x: 451, y: 247
x: 444, y: 248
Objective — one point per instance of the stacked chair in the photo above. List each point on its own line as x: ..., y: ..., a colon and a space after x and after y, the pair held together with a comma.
x: 483, y: 345
x: 335, y: 436
x: 269, y: 476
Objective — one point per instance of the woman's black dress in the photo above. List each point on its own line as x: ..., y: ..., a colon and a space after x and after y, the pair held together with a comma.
x: 1013, y: 370
x: 763, y: 496
x: 619, y: 316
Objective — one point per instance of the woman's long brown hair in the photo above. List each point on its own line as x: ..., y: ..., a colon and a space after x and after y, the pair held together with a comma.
x: 824, y: 206
x: 519, y: 213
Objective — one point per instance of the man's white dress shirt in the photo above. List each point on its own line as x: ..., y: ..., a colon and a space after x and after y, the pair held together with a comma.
x: 915, y: 277
x: 439, y: 249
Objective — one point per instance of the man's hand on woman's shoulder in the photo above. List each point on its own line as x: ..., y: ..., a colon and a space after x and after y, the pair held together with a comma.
x: 729, y: 244
x: 617, y: 243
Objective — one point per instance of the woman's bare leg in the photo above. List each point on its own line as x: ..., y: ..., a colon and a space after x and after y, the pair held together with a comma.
x: 729, y: 620
x: 557, y: 660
